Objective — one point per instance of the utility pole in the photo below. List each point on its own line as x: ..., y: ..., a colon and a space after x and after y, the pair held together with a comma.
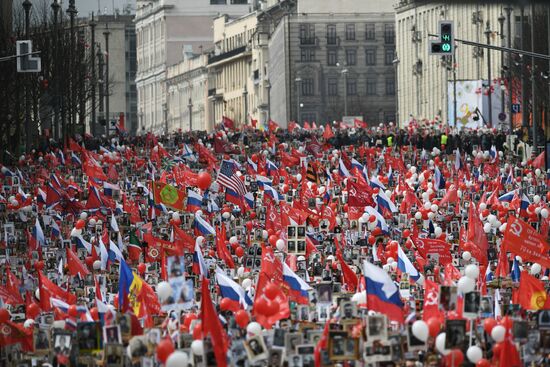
x: 245, y: 100
x: 501, y: 20
x: 510, y: 81
x: 107, y: 115
x: 73, y: 82
x: 298, y: 117
x: 489, y: 94
x: 190, y: 106
x: 27, y: 5
x: 165, y: 110
x: 533, y: 92
x: 524, y: 109
x: 55, y: 126
x: 100, y: 82
x: 268, y: 86
x: 93, y: 121
x: 345, y: 72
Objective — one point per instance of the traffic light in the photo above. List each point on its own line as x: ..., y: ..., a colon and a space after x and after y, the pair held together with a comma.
x: 445, y: 44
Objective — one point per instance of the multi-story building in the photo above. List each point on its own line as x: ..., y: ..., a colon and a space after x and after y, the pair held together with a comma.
x: 423, y: 79
x: 164, y: 29
x: 121, y: 34
x: 187, y: 87
x: 332, y: 59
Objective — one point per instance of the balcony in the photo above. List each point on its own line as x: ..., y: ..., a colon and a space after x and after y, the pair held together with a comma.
x: 226, y: 55
x: 333, y: 41
x: 309, y: 41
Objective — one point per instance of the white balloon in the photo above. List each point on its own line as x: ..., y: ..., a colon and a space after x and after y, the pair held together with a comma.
x: 487, y: 227
x: 175, y: 216
x: 474, y: 353
x: 440, y: 344
x: 97, y: 265
x: 37, y: 294
x: 75, y: 232
x: 246, y: 283
x: 420, y: 330
x: 438, y: 231
x: 434, y: 208
x: 466, y: 284
x: 538, y: 210
x: 482, y: 206
x: 197, y: 347
x: 233, y: 240
x: 92, y: 222
x: 502, y: 228
x: 177, y: 359
x: 390, y: 260
x: 164, y: 291
x: 538, y: 172
x: 83, y: 215
x: 491, y: 218
x: 199, y: 240
x: 535, y: 268
x: 359, y: 298
x: 28, y: 323
x: 386, y: 268
x: 431, y: 215
x: 498, y: 333
x: 253, y: 329
x: 265, y: 234
x: 427, y: 205
x: 418, y: 216
x: 393, y: 265
x: 466, y: 256
x: 472, y: 271
x: 280, y: 244
x: 544, y: 213
x: 240, y: 271
x: 298, y: 177
x: 536, y: 199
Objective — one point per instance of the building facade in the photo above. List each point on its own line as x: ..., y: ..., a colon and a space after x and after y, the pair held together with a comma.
x: 327, y: 61
x: 187, y: 87
x: 423, y: 79
x: 121, y: 34
x: 164, y: 29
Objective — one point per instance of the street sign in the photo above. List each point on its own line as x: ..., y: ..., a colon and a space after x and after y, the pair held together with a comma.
x: 516, y: 108
x: 445, y: 44
x: 26, y: 63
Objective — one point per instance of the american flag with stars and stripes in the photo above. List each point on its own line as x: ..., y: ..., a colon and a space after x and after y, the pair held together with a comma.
x: 227, y: 176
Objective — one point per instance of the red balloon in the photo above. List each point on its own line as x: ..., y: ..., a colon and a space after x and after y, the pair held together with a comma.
x: 455, y: 358
x: 89, y: 261
x: 253, y: 215
x: 4, y: 315
x: 164, y: 349
x: 73, y: 312
x: 115, y: 301
x: 273, y: 240
x: 261, y: 305
x: 239, y: 251
x: 211, y: 253
x: 39, y: 265
x: 271, y: 291
x: 377, y: 231
x: 372, y: 218
x: 204, y: 180
x: 272, y: 308
x: 242, y: 318
x: 392, y: 246
x: 94, y: 313
x: 497, y: 348
x: 225, y: 304
x: 197, y: 331
x: 489, y: 324
x: 33, y: 311
x: 507, y: 322
x: 141, y: 268
x: 434, y: 326
x: 371, y: 240
x: 80, y: 224
x: 483, y: 363
x: 406, y: 233
x: 376, y: 190
x: 485, y: 212
x: 249, y: 226
x: 188, y: 319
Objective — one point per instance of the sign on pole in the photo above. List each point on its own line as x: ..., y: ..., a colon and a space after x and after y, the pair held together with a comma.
x: 26, y: 63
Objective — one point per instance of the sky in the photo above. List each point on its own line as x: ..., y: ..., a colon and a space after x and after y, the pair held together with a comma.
x: 85, y: 7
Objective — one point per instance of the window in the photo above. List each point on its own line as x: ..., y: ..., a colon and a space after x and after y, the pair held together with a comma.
x: 307, y: 54
x: 370, y: 56
x: 389, y: 56
x: 370, y: 33
x: 307, y: 87
x: 307, y: 34
x: 389, y: 117
x: 389, y: 33
x: 331, y: 34
x: 390, y: 86
x: 309, y: 116
x: 351, y: 87
x: 351, y: 57
x: 239, y: 2
x: 332, y: 57
x: 332, y: 87
x: 371, y: 87
x: 217, y: 2
x: 350, y: 32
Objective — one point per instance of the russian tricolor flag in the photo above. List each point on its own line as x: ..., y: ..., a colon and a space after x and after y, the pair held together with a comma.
x: 249, y: 200
x: 298, y: 287
x: 41, y: 197
x: 38, y: 233
x: 524, y: 204
x: 253, y: 165
x: 108, y: 188
x: 75, y: 159
x: 509, y: 196
x: 6, y: 172
x: 342, y: 170
x: 194, y: 201
x: 405, y: 265
x: 272, y: 193
x: 439, y: 181
x: 114, y: 252
x: 384, y: 202
x: 493, y: 153
x: 270, y: 166
x: 375, y: 183
x: 199, y: 266
x: 233, y: 291
x: 203, y: 226
x: 263, y: 181
x: 380, y: 221
x: 382, y: 293
x: 56, y: 232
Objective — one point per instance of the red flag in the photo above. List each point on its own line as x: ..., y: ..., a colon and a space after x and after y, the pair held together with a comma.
x: 291, y: 126
x: 228, y: 123
x: 427, y: 246
x: 49, y: 289
x: 92, y: 169
x: 476, y: 234
x: 212, y: 326
x: 539, y: 161
x: 273, y: 219
x: 13, y: 333
x: 168, y: 195
x: 273, y: 126
x: 359, y: 195
x: 431, y: 302
x: 327, y: 134
x: 112, y: 174
x: 533, y: 295
x: 271, y: 271
x: 523, y: 240
x: 223, y: 252
x: 74, y: 264
x: 183, y: 240
x: 350, y: 278
x: 360, y: 124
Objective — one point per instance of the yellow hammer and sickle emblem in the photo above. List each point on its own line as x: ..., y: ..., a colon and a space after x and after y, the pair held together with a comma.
x: 169, y: 194
x: 538, y: 299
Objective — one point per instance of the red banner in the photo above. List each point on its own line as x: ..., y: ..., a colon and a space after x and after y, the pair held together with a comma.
x: 523, y: 240
x: 428, y: 246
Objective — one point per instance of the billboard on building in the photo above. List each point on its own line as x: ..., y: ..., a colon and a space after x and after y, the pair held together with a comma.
x: 472, y: 103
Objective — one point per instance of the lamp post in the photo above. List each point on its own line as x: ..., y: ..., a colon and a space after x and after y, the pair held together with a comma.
x: 345, y: 73
x: 533, y: 91
x: 268, y: 87
x: 106, y: 33
x: 190, y: 106
x: 165, y: 110
x: 27, y: 5
x: 92, y: 25
x: 298, y: 105
x: 72, y: 15
x: 509, y: 44
x: 396, y: 62
x: 488, y: 35
x: 245, y: 100
x: 99, y: 56
x: 55, y: 126
x: 501, y: 20
x: 140, y: 121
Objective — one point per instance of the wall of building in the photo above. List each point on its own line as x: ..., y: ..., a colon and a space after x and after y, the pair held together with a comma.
x: 278, y: 70
x: 345, y: 6
x: 422, y: 91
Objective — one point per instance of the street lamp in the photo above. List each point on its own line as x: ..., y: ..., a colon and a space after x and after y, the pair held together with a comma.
x: 345, y: 73
x: 55, y: 126
x: 396, y: 62
x: 190, y: 106
x: 501, y: 20
x: 509, y: 44
x: 92, y: 25
x: 488, y: 35
x: 165, y: 110
x: 245, y: 100
x: 298, y: 104
x: 28, y: 130
x: 268, y: 87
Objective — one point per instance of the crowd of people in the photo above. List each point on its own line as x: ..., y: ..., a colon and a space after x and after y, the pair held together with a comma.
x: 284, y: 247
